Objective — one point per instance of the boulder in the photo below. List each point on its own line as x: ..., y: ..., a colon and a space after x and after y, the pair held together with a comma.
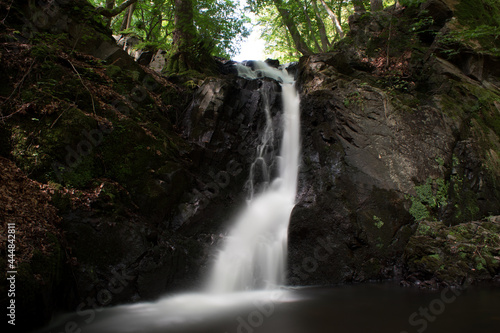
x: 438, y: 255
x: 158, y: 61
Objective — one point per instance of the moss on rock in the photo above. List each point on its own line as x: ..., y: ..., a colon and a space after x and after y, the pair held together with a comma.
x: 465, y: 253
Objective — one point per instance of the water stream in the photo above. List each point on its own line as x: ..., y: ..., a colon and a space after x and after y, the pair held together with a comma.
x: 254, y: 254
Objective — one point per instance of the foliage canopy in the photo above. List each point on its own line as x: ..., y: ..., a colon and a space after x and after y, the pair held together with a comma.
x: 289, y: 28
x: 219, y: 23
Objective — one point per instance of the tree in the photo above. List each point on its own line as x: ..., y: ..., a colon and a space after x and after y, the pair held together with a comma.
x: 335, y: 19
x: 113, y: 11
x: 218, y: 25
x: 321, y: 27
x: 310, y: 35
x: 297, y: 38
x: 278, y: 42
x: 182, y: 56
x: 311, y: 25
x: 223, y: 22
x: 127, y: 18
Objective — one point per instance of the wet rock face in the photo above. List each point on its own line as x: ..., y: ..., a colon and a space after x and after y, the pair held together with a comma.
x: 361, y: 154
x: 368, y: 153
x: 224, y: 123
x: 379, y: 155
x: 129, y: 257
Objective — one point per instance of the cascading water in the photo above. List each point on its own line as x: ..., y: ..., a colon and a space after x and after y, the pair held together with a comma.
x: 254, y: 253
x: 252, y: 258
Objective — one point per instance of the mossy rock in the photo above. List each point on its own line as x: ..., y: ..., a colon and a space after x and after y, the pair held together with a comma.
x: 38, y: 143
x: 477, y: 12
x: 465, y: 253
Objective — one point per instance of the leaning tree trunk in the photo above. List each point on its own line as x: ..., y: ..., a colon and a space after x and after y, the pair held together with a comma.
x: 321, y: 27
x: 291, y: 52
x: 334, y: 18
x: 297, y: 38
x: 311, y: 36
x: 127, y: 17
x: 130, y: 14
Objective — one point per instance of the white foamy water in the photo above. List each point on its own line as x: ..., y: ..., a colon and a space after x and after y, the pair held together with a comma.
x: 254, y: 253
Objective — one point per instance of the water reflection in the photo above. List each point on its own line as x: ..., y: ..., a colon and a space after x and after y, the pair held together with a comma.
x: 364, y: 308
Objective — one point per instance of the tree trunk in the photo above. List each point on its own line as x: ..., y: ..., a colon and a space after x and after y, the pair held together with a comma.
x: 123, y: 26
x: 187, y: 52
x: 321, y: 27
x: 130, y: 13
x: 110, y: 4
x: 299, y: 42
x: 288, y: 43
x: 334, y: 18
x: 339, y: 11
x: 183, y: 36
x: 376, y: 5
x: 127, y: 17
x: 184, y: 30
x: 116, y: 10
x: 309, y: 25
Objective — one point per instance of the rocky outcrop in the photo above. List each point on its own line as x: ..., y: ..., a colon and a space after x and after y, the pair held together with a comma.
x: 94, y: 128
x: 438, y: 255
x: 388, y: 140
x: 224, y: 122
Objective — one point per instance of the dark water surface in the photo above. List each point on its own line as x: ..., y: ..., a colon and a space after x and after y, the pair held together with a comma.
x: 370, y: 308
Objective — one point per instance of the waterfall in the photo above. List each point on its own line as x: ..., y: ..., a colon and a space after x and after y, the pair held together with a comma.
x: 261, y: 168
x: 254, y: 254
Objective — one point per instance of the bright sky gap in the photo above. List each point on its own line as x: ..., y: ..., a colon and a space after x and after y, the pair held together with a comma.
x: 252, y: 48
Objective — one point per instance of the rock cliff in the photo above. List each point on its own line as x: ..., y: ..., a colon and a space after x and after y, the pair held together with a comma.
x: 400, y: 152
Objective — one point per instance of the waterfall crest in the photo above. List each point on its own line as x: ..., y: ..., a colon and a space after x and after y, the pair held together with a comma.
x: 254, y: 254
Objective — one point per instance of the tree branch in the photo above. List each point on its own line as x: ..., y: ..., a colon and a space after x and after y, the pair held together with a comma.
x: 115, y: 11
x: 287, y: 18
x: 334, y: 18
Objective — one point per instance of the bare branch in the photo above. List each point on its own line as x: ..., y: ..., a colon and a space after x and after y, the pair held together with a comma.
x: 334, y: 18
x: 115, y: 11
